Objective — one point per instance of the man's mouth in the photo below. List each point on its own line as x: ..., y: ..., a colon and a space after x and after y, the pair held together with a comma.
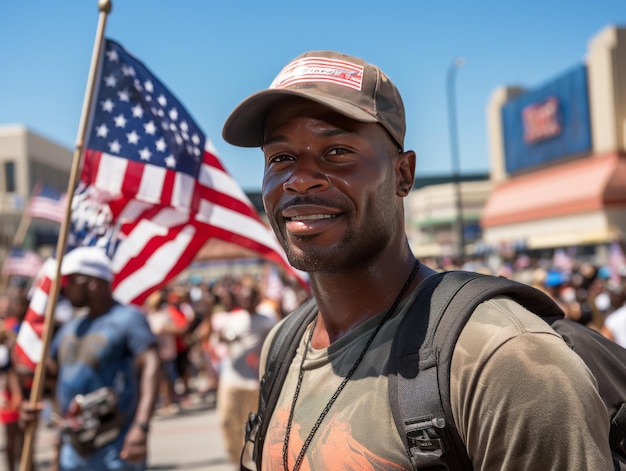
x: 311, y: 217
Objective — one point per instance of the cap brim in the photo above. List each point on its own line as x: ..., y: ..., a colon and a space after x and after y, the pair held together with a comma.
x: 244, y: 126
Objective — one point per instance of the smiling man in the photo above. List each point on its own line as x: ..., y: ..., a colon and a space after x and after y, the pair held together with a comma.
x: 332, y: 128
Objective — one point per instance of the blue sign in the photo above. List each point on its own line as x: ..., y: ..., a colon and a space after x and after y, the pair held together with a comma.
x: 547, y: 123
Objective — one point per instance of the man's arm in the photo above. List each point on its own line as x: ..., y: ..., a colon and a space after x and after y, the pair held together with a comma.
x: 519, y: 394
x: 135, y: 443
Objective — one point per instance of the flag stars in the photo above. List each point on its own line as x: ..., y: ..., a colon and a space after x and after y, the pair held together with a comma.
x: 160, y: 145
x: 183, y: 125
x: 145, y: 154
x: 107, y: 105
x: 170, y: 161
x: 120, y: 121
x: 124, y: 95
x: 137, y: 111
x: 195, y: 139
x: 115, y: 147
x: 110, y: 81
x: 133, y: 137
x: 148, y: 86
x: 150, y: 128
x: 112, y: 55
x: 162, y: 100
x: 128, y: 70
x: 102, y: 131
x: 173, y: 114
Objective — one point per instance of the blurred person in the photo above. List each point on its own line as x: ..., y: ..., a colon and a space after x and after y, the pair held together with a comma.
x: 10, y: 387
x: 17, y: 380
x: 615, y: 322
x: 226, y: 303
x: 105, y: 365
x: 164, y: 329
x: 182, y: 315
x: 243, y: 331
x: 10, y: 401
x: 201, y: 343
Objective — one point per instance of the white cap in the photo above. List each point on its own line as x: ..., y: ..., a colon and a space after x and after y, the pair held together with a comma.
x: 90, y: 261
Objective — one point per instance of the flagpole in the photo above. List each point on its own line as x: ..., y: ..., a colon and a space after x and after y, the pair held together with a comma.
x: 104, y: 7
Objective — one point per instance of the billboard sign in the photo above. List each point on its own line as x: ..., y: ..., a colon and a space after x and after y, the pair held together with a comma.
x: 547, y: 123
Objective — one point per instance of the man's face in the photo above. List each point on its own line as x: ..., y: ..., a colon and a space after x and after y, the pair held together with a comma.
x: 330, y: 186
x: 75, y: 289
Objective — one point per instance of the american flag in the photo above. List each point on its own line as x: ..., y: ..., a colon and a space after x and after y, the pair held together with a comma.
x: 46, y: 203
x: 21, y: 262
x: 28, y: 346
x: 153, y: 190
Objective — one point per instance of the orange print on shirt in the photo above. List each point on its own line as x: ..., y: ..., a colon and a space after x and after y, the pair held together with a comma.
x: 335, y: 448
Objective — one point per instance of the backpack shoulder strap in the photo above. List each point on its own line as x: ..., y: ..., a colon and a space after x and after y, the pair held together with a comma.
x: 280, y: 354
x: 419, y: 378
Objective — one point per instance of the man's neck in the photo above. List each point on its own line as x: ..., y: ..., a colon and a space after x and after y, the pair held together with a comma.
x: 346, y: 301
x: 101, y: 307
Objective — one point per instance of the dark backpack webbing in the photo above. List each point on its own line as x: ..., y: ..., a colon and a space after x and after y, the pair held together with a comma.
x: 424, y: 344
x: 281, y: 353
x: 427, y: 425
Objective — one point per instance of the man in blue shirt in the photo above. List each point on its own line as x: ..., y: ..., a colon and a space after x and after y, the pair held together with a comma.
x: 109, y: 352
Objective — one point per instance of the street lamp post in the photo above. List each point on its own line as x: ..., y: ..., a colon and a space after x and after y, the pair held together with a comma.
x: 454, y: 153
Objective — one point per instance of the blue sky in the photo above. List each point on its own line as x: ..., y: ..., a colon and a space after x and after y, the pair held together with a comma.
x: 214, y: 54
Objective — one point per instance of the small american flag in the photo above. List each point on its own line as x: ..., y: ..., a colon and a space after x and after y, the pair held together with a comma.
x: 28, y: 346
x: 21, y: 262
x: 46, y: 203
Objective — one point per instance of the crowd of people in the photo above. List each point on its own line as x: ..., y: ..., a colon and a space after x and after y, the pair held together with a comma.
x: 207, y: 337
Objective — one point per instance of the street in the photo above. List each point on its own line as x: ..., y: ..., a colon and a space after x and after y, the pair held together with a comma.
x: 189, y: 440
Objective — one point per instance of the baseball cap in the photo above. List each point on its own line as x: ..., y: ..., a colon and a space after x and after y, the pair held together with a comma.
x: 345, y: 84
x: 90, y: 261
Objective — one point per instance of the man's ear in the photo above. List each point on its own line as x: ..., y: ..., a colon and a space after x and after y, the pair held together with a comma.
x: 406, y: 172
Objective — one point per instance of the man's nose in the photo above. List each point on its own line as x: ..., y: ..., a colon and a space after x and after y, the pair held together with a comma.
x: 305, y: 176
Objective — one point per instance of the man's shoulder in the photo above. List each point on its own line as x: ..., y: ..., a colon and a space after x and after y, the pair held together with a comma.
x: 125, y: 311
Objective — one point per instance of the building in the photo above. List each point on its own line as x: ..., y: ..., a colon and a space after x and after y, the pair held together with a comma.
x: 558, y: 156
x: 432, y: 217
x: 26, y: 159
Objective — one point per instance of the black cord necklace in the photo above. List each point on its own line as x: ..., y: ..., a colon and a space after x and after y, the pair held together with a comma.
x: 340, y: 388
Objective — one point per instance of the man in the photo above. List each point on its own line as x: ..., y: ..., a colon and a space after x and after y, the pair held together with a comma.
x: 243, y: 331
x: 331, y: 128
x: 107, y: 356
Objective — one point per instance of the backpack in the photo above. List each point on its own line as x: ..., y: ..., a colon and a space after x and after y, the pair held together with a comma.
x: 421, y: 355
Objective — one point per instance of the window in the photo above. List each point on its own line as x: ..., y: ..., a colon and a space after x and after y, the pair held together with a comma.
x: 9, y: 177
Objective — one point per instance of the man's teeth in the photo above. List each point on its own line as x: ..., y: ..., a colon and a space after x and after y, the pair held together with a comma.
x: 311, y: 217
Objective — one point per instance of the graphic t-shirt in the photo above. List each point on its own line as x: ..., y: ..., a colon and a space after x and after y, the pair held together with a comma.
x: 506, y: 416
x: 92, y: 353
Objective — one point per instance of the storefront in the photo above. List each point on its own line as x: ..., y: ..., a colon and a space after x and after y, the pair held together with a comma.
x: 558, y: 155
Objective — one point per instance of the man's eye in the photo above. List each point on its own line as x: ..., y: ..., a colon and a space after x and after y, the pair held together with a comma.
x: 279, y: 158
x: 338, y: 151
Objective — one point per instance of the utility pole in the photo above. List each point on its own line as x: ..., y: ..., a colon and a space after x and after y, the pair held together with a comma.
x: 454, y: 153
